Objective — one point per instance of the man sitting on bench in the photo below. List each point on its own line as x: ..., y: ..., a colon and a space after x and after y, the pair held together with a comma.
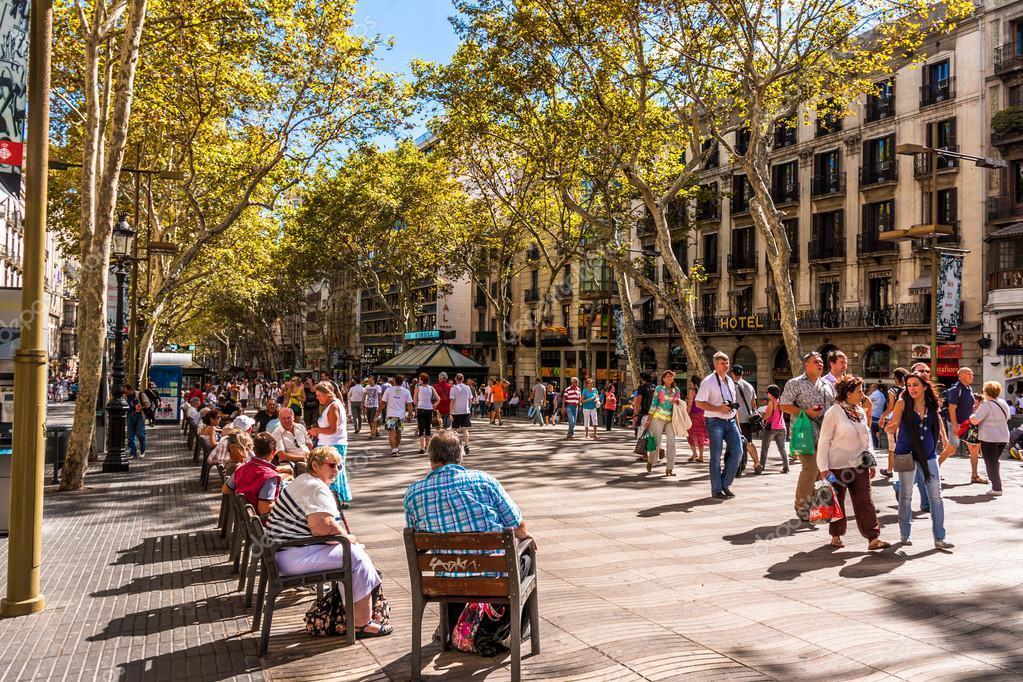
x: 453, y: 499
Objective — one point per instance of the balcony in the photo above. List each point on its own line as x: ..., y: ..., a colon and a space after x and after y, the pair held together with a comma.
x: 655, y: 327
x: 784, y: 136
x: 708, y: 209
x: 711, y: 267
x: 943, y: 239
x: 740, y: 204
x: 1005, y: 279
x: 785, y: 193
x: 599, y: 284
x: 1004, y: 207
x: 742, y: 260
x: 937, y: 92
x: 1007, y: 126
x: 828, y: 184
x: 563, y: 291
x: 549, y: 336
x: 879, y: 173
x: 878, y: 109
x: 531, y: 295
x: 922, y: 163
x: 826, y: 249
x: 793, y: 257
x: 1007, y: 58
x: 869, y: 244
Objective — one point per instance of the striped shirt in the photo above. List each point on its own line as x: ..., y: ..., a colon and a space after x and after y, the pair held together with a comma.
x: 304, y: 496
x: 571, y: 395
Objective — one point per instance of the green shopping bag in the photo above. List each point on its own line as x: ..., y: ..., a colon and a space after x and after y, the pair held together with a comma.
x: 801, y: 442
x: 651, y: 442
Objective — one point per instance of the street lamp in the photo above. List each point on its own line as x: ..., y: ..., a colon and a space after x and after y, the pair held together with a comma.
x: 933, y: 229
x: 117, y: 406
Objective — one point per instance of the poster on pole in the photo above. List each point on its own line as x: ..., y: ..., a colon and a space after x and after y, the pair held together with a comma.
x: 950, y: 282
x: 620, y: 336
x: 13, y: 92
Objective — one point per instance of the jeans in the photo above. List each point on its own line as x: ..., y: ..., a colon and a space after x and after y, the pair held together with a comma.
x: 722, y: 432
x: 538, y: 415
x: 933, y: 488
x: 571, y: 413
x: 136, y: 428
x: 873, y: 432
x: 918, y: 479
x: 356, y: 415
x: 776, y: 436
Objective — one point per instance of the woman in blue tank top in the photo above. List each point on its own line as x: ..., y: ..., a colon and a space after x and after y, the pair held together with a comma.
x: 916, y: 418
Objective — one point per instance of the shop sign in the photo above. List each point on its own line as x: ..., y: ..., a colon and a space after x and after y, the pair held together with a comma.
x: 736, y: 323
x: 949, y: 351
x: 948, y: 368
x: 1014, y: 371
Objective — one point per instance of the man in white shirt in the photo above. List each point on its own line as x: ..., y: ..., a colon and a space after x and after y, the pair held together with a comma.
x: 355, y: 395
x: 460, y: 396
x: 398, y: 404
x: 293, y: 442
x: 717, y: 398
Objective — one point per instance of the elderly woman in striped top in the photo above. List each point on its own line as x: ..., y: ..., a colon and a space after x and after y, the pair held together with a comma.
x: 307, y: 508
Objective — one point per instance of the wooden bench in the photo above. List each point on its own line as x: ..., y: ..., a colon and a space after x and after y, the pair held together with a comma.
x: 430, y: 553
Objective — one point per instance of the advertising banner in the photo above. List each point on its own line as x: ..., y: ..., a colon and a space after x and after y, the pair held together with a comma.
x: 13, y: 93
x: 950, y: 282
x: 168, y: 384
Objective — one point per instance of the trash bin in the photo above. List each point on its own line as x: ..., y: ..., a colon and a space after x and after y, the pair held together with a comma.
x: 57, y: 438
x: 5, y: 489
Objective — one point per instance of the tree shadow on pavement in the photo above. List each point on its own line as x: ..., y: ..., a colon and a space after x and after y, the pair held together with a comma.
x: 682, y: 507
x: 223, y: 659
x: 171, y: 617
x: 173, y: 547
x: 170, y: 580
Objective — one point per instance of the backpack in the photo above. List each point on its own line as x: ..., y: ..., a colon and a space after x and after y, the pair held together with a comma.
x: 326, y: 617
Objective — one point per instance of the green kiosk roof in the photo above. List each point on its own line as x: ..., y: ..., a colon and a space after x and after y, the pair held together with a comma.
x: 430, y: 358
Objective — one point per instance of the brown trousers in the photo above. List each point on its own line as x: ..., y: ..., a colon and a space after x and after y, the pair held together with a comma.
x: 857, y: 482
x: 808, y: 474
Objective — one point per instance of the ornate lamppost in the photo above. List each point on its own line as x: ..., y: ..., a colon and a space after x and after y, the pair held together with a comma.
x: 117, y: 406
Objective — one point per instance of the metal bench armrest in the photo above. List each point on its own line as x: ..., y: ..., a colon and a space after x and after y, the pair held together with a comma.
x: 314, y: 540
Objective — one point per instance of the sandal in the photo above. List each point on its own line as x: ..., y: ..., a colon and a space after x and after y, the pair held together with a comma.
x: 837, y: 542
x: 383, y: 629
x: 878, y: 543
x: 978, y: 479
x: 692, y: 459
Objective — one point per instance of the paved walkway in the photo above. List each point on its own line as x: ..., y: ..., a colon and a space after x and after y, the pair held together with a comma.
x: 641, y: 578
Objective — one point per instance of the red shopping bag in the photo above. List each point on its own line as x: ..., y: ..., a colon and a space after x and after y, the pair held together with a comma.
x: 825, y: 505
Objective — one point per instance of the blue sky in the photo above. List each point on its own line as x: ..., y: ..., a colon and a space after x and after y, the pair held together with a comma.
x: 420, y: 29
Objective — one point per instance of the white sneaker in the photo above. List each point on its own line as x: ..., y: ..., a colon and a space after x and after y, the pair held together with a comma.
x: 941, y: 544
x: 996, y: 493
x: 907, y: 542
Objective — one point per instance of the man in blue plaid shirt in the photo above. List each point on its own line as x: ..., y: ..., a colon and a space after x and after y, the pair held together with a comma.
x: 453, y: 499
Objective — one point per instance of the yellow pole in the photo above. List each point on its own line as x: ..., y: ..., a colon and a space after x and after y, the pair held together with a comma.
x: 25, y: 540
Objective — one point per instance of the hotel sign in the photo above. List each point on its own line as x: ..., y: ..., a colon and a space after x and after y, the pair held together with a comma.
x: 737, y: 323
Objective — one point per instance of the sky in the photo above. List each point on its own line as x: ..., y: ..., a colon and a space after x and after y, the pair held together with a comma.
x: 420, y: 30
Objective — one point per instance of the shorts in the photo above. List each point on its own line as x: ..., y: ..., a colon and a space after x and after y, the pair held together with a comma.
x: 589, y: 416
x: 394, y: 424
x: 424, y: 420
x: 460, y: 421
x: 746, y: 429
x: 497, y: 405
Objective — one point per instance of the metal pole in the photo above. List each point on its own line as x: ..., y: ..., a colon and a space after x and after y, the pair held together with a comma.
x: 117, y: 408
x: 933, y: 158
x: 24, y: 558
x: 133, y: 337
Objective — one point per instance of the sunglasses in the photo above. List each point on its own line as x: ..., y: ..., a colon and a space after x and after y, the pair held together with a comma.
x: 333, y: 465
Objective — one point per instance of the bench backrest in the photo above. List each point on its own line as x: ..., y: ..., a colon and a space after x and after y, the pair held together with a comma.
x: 430, y: 554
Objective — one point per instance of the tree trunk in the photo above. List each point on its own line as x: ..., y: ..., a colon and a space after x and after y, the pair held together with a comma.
x: 769, y: 223
x: 99, y: 197
x: 628, y: 327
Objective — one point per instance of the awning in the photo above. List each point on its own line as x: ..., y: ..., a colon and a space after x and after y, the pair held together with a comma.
x: 922, y: 285
x: 739, y: 290
x: 431, y: 358
x: 641, y: 302
x: 1007, y: 232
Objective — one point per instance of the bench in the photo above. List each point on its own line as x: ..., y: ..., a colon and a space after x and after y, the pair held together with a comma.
x: 431, y: 553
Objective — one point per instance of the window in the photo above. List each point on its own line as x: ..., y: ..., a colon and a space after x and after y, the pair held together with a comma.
x: 791, y: 226
x: 829, y: 118
x: 881, y: 102
x: 742, y: 192
x: 784, y: 134
x: 877, y: 217
x: 709, y: 304
x: 828, y: 295
x: 710, y: 252
x: 948, y: 210
x: 785, y: 182
x: 710, y: 147
x: 744, y: 300
x: 742, y: 140
x: 942, y: 135
x: 880, y: 291
x: 937, y: 86
x: 708, y: 204
x: 827, y: 175
x: 828, y: 239
x: 1017, y: 181
x: 879, y: 161
x: 743, y: 254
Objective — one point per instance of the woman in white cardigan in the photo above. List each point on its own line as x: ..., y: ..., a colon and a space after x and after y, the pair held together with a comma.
x: 842, y: 459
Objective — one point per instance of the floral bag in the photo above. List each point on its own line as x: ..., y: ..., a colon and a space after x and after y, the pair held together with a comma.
x: 326, y: 617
